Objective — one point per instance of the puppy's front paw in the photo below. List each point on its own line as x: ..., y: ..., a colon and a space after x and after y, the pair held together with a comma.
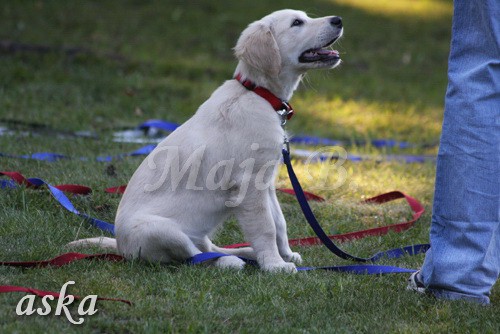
x: 285, y: 267
x: 293, y: 257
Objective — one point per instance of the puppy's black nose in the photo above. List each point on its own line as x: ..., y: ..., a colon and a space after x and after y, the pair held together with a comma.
x: 336, y: 21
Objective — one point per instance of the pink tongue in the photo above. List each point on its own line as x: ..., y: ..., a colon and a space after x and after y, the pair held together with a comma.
x: 327, y: 52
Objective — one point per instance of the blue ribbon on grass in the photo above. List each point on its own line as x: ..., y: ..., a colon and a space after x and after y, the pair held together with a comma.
x: 301, y: 139
x: 65, y: 202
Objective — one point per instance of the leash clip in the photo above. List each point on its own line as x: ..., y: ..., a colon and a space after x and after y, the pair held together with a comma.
x: 287, y: 110
x: 286, y: 143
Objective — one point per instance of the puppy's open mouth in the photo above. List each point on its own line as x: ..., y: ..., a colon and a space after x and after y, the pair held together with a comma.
x: 323, y: 54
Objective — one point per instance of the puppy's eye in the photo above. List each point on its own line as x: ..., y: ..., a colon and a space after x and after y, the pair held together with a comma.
x: 297, y: 23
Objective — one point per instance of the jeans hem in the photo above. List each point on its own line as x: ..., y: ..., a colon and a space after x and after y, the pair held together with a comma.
x: 451, y: 295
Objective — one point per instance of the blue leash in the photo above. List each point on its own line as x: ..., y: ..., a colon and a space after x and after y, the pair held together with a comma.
x: 318, y: 230
x: 352, y: 269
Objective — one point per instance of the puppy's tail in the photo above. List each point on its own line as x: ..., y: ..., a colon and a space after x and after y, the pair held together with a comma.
x: 101, y: 242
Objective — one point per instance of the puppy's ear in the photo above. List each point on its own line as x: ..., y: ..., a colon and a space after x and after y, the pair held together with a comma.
x: 258, y: 48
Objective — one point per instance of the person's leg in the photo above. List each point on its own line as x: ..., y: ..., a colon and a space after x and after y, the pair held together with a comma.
x: 463, y: 262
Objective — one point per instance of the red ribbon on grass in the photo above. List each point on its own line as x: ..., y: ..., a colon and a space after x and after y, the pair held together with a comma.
x: 417, y: 208
x: 70, y: 188
x: 62, y: 260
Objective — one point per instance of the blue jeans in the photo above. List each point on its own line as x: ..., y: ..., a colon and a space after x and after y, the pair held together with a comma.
x: 464, y: 259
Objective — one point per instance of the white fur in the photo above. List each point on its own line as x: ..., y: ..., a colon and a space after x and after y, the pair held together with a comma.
x: 233, y: 143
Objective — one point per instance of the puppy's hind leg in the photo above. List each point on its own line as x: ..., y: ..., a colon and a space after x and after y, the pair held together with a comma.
x: 155, y: 239
x: 245, y: 252
x: 206, y: 245
x: 164, y: 241
x: 227, y: 261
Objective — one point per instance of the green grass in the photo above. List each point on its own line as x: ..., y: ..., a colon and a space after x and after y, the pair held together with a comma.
x: 162, y: 59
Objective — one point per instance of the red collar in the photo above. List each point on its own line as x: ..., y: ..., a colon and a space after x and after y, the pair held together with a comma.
x: 283, y: 108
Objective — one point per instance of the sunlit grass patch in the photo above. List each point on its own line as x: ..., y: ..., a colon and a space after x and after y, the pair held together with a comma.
x: 423, y: 9
x: 344, y: 119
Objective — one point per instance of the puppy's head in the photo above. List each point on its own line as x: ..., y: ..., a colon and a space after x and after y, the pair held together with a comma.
x: 290, y: 40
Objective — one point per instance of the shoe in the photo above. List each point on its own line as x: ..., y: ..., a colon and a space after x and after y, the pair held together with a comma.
x: 415, y: 283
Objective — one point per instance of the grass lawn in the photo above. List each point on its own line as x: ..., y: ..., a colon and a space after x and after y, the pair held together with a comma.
x: 104, y: 66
